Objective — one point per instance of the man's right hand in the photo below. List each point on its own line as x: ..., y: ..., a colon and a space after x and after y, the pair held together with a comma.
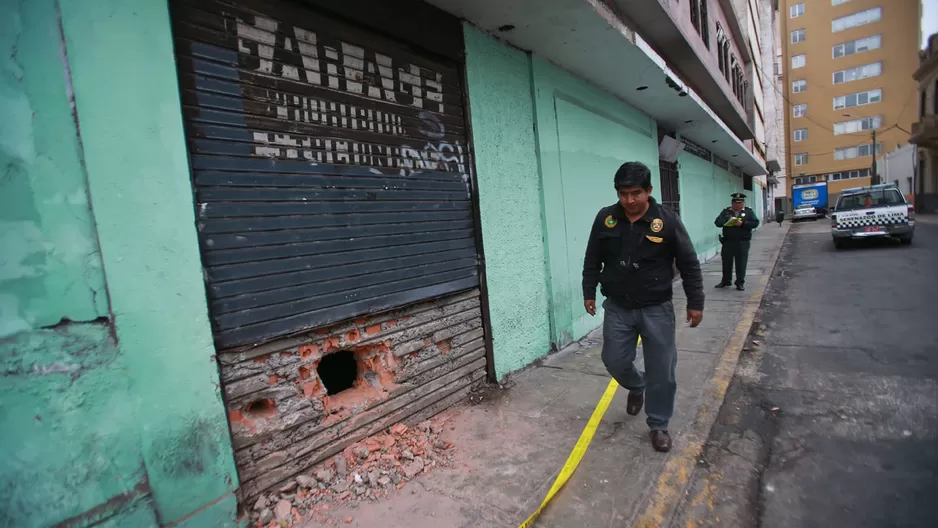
x: 590, y: 306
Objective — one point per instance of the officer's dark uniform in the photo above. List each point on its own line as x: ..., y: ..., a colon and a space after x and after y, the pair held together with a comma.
x: 736, y: 242
x: 634, y: 263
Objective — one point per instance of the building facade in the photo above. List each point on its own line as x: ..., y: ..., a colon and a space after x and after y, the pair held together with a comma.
x: 925, y: 129
x: 778, y: 139
x: 848, y: 67
x: 287, y: 226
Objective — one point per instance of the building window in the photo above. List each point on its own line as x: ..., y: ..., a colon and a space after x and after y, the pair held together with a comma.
x: 801, y: 134
x: 799, y: 110
x: 923, y: 102
x: 734, y: 79
x: 799, y: 86
x: 801, y: 158
x: 934, y: 101
x: 859, y: 151
x: 860, y: 72
x: 721, y: 38
x: 838, y: 2
x: 726, y: 59
x: 849, y: 175
x: 858, y: 46
x: 798, y: 61
x: 811, y: 179
x: 704, y: 23
x: 797, y: 36
x: 797, y: 10
x: 858, y: 99
x: 695, y: 14
x: 858, y: 125
x: 860, y: 18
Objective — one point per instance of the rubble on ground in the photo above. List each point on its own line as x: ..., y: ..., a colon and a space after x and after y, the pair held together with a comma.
x: 365, y: 471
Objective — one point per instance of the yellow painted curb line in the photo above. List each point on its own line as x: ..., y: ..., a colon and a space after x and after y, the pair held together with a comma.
x: 578, y: 450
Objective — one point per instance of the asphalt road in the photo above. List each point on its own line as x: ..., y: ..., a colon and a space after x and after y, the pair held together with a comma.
x: 832, y: 418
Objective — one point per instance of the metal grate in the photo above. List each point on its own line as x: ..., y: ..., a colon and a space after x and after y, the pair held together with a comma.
x: 670, y: 195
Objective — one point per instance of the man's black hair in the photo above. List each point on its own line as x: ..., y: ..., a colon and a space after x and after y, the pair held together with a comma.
x: 633, y: 174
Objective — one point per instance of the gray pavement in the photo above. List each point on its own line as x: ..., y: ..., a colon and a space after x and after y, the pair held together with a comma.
x: 832, y: 418
x: 511, y: 445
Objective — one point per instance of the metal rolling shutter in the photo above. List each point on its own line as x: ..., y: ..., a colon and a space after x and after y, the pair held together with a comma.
x: 330, y: 167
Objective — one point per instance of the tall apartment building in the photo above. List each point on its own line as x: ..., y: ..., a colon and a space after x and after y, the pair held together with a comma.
x: 848, y: 78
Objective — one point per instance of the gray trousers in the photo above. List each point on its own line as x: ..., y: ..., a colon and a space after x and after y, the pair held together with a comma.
x: 655, y: 324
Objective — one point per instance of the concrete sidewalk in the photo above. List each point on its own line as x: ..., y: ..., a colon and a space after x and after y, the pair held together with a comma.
x: 511, y: 445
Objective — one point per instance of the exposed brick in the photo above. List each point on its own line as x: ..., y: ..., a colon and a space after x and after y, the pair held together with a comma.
x: 307, y: 351
x: 313, y: 389
x: 330, y: 344
x: 406, y: 344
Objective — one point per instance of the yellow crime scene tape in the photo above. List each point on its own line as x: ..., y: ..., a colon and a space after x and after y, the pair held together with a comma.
x: 578, y: 450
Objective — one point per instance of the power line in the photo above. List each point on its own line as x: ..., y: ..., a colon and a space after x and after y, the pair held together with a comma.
x: 828, y: 127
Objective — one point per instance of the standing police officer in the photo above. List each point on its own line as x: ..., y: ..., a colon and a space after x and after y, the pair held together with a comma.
x: 737, y: 222
x: 632, y: 250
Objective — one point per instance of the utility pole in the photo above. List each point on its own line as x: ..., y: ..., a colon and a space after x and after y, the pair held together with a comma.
x: 874, y: 178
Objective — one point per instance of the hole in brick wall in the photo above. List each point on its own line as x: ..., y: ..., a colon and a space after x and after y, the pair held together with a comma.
x: 261, y: 409
x: 338, y: 371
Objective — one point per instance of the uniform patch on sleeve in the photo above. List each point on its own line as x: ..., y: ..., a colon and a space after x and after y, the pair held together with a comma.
x: 611, y: 222
x: 656, y: 240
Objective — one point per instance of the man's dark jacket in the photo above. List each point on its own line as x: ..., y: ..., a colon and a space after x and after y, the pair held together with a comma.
x: 743, y: 232
x: 634, y: 262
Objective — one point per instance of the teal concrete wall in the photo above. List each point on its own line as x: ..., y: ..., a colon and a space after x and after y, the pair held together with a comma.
x: 50, y: 265
x: 124, y: 75
x: 705, y: 191
x: 584, y: 135
x: 502, y: 112
x: 68, y: 433
x: 114, y: 414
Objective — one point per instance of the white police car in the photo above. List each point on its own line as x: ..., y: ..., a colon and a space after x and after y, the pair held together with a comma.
x: 874, y: 211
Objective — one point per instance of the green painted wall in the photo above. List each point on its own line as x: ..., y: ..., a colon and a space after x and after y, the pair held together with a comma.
x: 584, y: 135
x: 50, y: 252
x: 705, y: 191
x: 68, y: 433
x: 502, y: 112
x: 124, y: 75
x: 114, y: 414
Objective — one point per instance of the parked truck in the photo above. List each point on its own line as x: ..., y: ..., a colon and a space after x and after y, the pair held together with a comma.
x: 809, y: 200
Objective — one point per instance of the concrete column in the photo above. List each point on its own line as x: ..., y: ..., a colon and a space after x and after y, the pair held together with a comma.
x: 122, y: 71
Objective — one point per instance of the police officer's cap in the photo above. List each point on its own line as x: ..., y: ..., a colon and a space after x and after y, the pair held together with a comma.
x: 738, y: 197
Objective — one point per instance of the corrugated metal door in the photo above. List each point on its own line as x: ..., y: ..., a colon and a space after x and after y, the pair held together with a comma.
x: 330, y: 167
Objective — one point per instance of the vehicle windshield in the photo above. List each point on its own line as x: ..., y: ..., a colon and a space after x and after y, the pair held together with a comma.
x: 805, y: 206
x: 868, y: 199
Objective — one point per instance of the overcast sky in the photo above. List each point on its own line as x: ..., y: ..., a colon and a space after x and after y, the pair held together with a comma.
x: 929, y: 19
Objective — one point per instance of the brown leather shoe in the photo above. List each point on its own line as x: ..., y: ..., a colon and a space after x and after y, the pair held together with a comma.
x: 661, y: 440
x: 635, y: 402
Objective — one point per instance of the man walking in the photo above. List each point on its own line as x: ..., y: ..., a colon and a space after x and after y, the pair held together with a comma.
x: 737, y: 222
x: 632, y: 249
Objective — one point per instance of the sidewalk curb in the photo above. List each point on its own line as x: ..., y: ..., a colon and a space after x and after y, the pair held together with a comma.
x: 675, y: 477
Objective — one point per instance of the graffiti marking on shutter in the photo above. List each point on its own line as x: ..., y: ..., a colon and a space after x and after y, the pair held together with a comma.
x: 363, y: 73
